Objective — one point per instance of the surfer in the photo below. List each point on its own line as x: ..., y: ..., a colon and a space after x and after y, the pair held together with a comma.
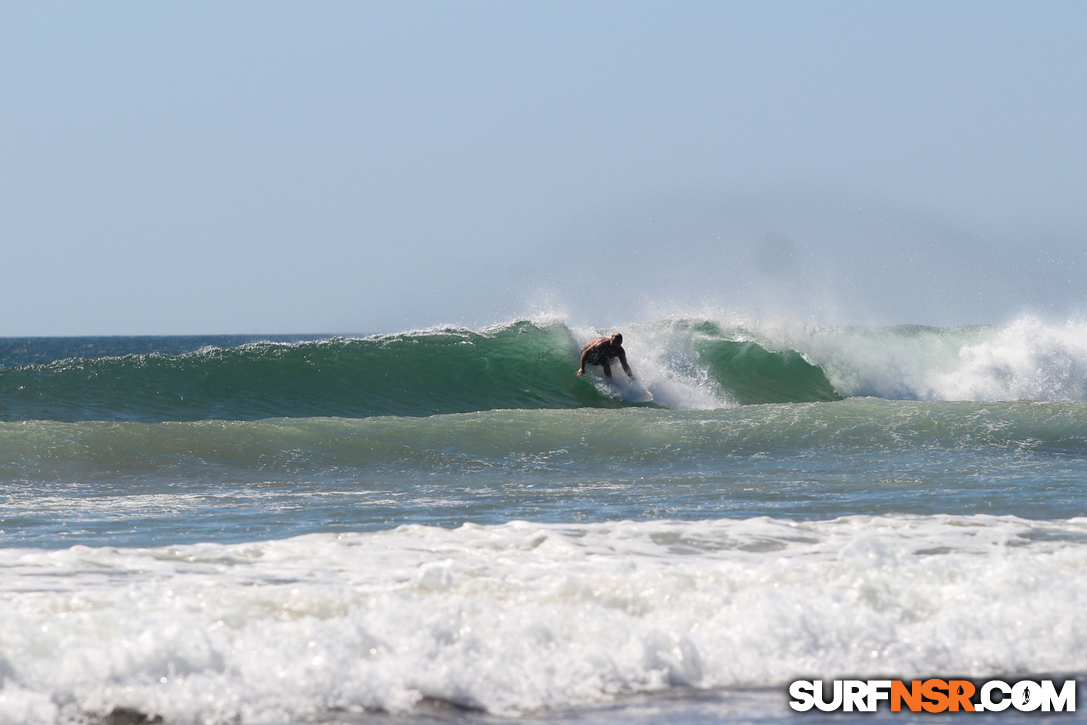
x: 601, y: 350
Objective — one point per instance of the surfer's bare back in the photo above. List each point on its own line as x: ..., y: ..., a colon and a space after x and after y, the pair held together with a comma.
x: 601, y: 350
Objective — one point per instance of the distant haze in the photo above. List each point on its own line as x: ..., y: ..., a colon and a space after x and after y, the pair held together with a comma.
x: 808, y: 257
x: 174, y: 168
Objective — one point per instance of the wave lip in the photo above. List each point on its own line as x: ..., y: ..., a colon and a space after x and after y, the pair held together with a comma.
x: 520, y: 617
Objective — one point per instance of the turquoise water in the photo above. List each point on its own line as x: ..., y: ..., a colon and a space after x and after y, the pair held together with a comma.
x: 140, y: 484
x: 522, y: 365
x: 450, y: 525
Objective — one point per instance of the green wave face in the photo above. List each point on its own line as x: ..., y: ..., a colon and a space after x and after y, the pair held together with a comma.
x: 450, y: 371
x: 753, y: 374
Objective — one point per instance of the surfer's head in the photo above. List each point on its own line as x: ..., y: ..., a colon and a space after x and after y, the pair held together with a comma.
x: 617, y: 338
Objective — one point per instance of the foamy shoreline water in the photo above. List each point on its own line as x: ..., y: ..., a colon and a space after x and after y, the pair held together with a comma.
x: 517, y: 618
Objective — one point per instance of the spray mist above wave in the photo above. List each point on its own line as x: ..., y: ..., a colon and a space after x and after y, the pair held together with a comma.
x: 791, y: 252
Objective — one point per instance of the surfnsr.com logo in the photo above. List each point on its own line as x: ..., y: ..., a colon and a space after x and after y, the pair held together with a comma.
x: 933, y: 695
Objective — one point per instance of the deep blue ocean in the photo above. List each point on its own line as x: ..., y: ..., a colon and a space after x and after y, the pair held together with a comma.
x: 448, y: 525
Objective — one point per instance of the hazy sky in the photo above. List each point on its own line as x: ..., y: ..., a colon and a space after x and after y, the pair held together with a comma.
x: 265, y: 167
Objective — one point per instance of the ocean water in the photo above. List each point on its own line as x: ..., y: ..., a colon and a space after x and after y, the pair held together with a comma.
x: 449, y: 526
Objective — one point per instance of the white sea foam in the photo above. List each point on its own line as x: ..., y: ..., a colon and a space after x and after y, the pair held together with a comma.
x: 664, y: 360
x: 1028, y: 359
x: 522, y: 616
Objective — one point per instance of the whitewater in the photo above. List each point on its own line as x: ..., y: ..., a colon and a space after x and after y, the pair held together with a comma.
x: 447, y: 525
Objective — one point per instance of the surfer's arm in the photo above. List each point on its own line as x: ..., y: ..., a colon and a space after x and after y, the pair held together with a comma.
x: 623, y: 361
x: 587, y: 352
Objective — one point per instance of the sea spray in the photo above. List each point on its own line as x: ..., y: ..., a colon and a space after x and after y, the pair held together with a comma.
x: 1027, y: 359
